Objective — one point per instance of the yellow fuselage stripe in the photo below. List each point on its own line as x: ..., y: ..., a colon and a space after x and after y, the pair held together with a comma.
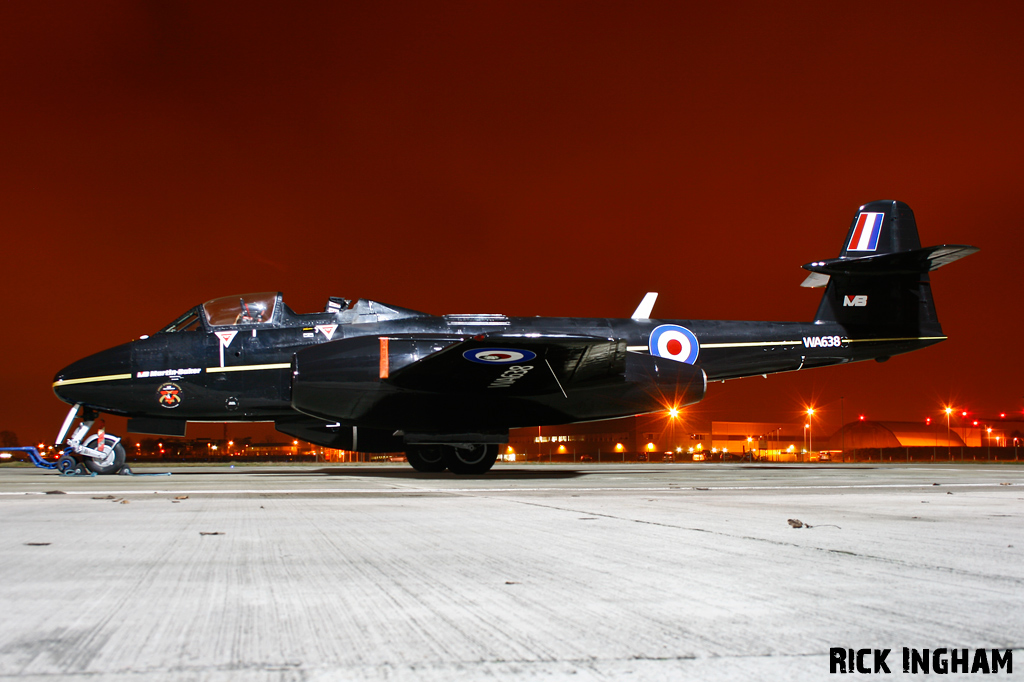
x: 750, y: 344
x: 249, y: 368
x: 905, y: 338
x: 89, y: 380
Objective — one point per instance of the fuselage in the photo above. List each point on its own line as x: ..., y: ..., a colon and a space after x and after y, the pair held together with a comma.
x: 245, y: 370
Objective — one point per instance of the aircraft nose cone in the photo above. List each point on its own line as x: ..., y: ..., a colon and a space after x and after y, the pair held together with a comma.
x: 91, y: 379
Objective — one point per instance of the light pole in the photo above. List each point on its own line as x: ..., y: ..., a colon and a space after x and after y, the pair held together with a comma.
x: 810, y: 436
x: 949, y: 448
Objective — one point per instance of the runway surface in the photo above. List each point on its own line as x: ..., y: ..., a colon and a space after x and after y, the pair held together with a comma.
x: 652, y: 572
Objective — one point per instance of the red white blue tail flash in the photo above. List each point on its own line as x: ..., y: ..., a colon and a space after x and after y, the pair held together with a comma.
x: 674, y: 342
x: 865, y: 234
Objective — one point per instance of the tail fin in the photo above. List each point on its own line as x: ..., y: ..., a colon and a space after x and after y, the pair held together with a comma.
x: 879, y: 283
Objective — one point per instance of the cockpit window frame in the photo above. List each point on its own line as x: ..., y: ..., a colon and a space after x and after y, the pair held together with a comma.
x: 190, y: 321
x: 249, y: 311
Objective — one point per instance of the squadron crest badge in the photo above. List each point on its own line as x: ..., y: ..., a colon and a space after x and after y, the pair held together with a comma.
x: 169, y: 395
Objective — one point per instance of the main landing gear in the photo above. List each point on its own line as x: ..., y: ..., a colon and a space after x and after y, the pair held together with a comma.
x: 465, y: 459
x: 98, y: 453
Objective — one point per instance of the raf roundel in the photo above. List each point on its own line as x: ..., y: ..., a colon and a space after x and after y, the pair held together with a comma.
x: 674, y: 342
x: 498, y: 356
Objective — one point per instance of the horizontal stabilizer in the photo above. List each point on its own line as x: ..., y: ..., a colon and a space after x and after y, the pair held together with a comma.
x: 815, y: 280
x: 899, y: 263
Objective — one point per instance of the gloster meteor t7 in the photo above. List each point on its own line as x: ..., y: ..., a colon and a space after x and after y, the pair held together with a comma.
x: 373, y: 377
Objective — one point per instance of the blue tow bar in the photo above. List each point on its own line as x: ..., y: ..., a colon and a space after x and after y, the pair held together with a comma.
x: 34, y: 455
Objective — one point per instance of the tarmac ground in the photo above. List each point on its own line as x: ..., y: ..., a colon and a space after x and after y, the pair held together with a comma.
x: 650, y: 572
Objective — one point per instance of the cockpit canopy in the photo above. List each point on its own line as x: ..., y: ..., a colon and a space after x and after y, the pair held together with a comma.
x: 268, y: 309
x: 245, y: 309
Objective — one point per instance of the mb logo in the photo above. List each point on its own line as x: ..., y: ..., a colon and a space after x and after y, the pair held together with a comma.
x: 855, y: 301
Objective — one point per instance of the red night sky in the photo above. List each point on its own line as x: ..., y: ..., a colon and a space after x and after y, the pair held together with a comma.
x: 512, y: 157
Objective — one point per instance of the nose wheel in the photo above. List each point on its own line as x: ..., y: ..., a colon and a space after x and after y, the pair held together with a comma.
x: 113, y: 451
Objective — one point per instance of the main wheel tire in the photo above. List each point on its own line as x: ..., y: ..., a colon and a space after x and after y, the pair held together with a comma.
x: 473, y: 460
x: 108, y: 442
x: 427, y: 459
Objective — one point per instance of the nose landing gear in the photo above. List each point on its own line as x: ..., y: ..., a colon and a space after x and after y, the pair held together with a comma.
x: 99, y: 453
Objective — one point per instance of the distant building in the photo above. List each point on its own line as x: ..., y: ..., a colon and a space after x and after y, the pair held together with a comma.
x: 885, y: 434
x: 659, y: 437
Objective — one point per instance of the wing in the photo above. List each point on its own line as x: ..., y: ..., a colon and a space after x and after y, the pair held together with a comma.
x: 513, y: 364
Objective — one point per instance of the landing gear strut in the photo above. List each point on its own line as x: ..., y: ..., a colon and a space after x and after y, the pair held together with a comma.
x: 100, y: 453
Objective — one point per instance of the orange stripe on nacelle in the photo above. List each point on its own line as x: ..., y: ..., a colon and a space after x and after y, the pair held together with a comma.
x: 384, y: 357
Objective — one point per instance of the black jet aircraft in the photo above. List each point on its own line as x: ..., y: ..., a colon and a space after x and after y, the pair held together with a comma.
x: 373, y: 377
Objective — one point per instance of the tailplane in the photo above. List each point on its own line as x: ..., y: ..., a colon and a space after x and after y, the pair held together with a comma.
x: 879, y: 283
